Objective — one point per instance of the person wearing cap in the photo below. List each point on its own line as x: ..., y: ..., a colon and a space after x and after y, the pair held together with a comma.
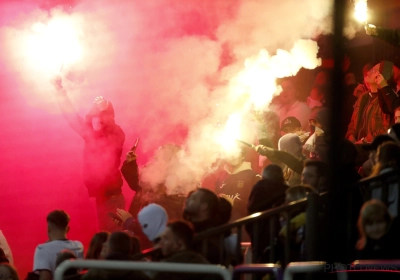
x: 372, y: 148
x: 103, y: 142
x: 389, y: 88
x: 290, y: 105
x: 369, y: 118
x: 293, y: 125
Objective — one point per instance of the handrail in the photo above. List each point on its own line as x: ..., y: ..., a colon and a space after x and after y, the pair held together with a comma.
x: 251, y: 218
x: 302, y: 267
x: 142, y: 266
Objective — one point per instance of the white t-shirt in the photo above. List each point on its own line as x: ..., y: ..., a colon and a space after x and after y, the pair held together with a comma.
x: 46, y: 253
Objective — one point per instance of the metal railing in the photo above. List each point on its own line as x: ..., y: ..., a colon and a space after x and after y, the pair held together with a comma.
x: 143, y: 266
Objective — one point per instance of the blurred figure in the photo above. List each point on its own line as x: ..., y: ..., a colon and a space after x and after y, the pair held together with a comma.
x: 44, y: 262
x: 236, y: 183
x: 118, y: 248
x: 7, y: 271
x: 397, y: 115
x: 391, y: 36
x: 289, y: 104
x: 72, y: 273
x: 6, y: 248
x: 151, y: 188
x: 372, y: 148
x: 387, y: 159
x: 268, y: 193
x: 103, y: 141
x: 317, y: 97
x: 315, y: 174
x: 389, y: 87
x: 377, y: 240
x: 368, y: 119
x: 316, y: 147
x: 96, y: 246
x: 176, y: 242
x: 291, y: 143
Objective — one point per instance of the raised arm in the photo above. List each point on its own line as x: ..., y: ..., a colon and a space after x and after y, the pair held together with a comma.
x: 74, y: 120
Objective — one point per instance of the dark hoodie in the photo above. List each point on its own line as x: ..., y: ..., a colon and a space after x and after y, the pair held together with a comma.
x: 265, y: 195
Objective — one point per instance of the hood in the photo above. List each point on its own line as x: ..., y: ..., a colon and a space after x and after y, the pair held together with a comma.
x: 290, y: 143
x: 153, y: 219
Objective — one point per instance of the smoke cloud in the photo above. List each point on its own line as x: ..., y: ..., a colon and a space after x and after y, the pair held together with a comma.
x: 175, y: 71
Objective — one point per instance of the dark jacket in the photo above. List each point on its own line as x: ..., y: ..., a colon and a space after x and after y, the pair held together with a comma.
x: 391, y: 99
x: 184, y: 257
x: 368, y: 119
x: 391, y: 36
x: 265, y: 195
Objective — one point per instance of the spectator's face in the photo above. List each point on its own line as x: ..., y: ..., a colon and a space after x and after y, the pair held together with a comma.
x: 102, y: 121
x: 369, y: 77
x: 309, y: 176
x: 291, y: 129
x: 288, y: 93
x: 168, y: 243
x: 376, y: 228
x: 397, y: 116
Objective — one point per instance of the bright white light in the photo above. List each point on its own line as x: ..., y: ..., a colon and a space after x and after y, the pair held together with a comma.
x: 227, y: 137
x: 361, y: 10
x: 53, y: 44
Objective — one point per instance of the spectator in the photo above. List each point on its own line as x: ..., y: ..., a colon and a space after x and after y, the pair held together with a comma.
x: 7, y: 271
x: 151, y: 222
x: 44, y: 262
x: 96, y: 246
x: 388, y: 159
x: 175, y: 245
x: 316, y: 97
x: 315, y: 174
x: 397, y: 115
x: 316, y: 146
x: 6, y: 248
x: 372, y: 148
x: 293, y: 125
x: 266, y: 194
x: 368, y: 119
x: 118, y: 248
x: 377, y: 240
x: 389, y: 88
x: 289, y: 104
x: 147, y: 193
x: 236, y: 182
x: 72, y: 273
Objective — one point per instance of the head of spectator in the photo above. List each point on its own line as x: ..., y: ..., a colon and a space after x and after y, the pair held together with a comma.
x: 322, y: 78
x: 177, y: 237
x: 372, y: 148
x: 288, y: 95
x: 291, y: 125
x: 201, y: 205
x: 394, y: 77
x: 224, y: 211
x: 387, y: 158
x: 320, y: 119
x: 369, y: 77
x: 291, y: 143
x: 314, y: 173
x: 273, y: 172
x: 394, y: 132
x: 153, y: 219
x: 298, y: 192
x: 57, y: 225
x: 373, y: 223
x: 7, y: 271
x: 67, y: 255
x: 119, y: 244
x: 316, y: 97
x: 135, y: 249
x: 96, y: 245
x: 102, y: 114
x: 397, y: 115
x: 3, y: 257
x: 234, y: 161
